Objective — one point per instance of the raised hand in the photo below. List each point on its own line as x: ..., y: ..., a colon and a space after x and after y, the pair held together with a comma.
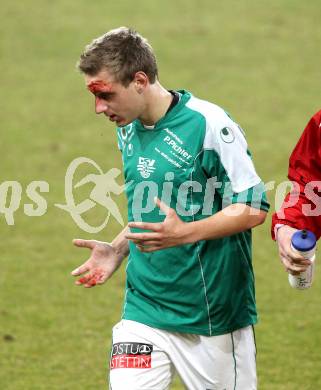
x: 100, y: 266
x: 166, y: 234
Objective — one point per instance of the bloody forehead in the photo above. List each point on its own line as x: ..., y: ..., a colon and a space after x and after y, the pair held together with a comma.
x: 99, y: 86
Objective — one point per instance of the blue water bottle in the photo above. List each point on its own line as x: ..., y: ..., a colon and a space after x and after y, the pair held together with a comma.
x: 304, y: 242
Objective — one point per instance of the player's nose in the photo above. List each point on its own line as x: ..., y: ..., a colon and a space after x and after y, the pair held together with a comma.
x: 100, y: 105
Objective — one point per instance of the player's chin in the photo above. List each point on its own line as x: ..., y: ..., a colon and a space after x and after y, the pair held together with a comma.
x: 122, y: 122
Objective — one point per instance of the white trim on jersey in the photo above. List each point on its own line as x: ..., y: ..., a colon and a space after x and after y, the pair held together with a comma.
x: 231, y: 147
x: 200, y: 261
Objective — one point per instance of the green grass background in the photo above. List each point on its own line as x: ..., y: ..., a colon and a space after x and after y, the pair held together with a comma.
x: 260, y: 60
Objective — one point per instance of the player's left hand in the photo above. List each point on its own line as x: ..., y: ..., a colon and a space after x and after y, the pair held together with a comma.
x: 171, y: 232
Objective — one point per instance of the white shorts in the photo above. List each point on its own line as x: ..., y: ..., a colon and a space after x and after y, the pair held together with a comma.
x: 145, y: 358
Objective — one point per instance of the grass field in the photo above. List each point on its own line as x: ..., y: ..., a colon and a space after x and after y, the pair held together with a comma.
x: 258, y: 59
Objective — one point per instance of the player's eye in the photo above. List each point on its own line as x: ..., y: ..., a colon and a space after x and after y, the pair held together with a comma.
x: 104, y: 95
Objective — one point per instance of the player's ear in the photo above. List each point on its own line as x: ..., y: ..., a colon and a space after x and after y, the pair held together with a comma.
x: 140, y: 81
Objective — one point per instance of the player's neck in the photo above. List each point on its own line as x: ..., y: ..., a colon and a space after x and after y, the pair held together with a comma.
x: 158, y: 99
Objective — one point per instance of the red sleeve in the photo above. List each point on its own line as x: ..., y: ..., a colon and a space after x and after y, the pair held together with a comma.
x: 304, y: 167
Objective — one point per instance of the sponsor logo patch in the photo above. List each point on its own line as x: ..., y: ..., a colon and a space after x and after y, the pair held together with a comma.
x: 131, y: 355
x: 177, y: 148
x: 227, y: 135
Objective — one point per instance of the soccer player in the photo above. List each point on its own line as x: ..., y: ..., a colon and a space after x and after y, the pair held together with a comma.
x: 301, y: 207
x: 193, y: 197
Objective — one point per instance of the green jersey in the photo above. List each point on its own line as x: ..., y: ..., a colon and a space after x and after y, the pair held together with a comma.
x: 195, y: 159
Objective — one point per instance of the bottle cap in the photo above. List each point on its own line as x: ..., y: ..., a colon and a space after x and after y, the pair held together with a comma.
x: 303, y: 240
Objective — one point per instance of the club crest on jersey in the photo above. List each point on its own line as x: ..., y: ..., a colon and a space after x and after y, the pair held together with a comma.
x: 145, y: 166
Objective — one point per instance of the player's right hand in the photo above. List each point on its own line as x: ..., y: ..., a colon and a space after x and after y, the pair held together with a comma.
x: 293, y: 262
x: 100, y: 266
